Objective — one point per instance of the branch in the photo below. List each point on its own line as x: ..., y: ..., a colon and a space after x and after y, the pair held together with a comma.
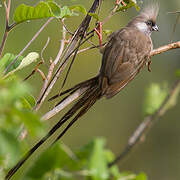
x: 165, y: 48
x: 147, y: 123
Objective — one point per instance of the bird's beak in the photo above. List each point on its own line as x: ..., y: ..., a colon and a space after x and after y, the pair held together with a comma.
x: 155, y: 28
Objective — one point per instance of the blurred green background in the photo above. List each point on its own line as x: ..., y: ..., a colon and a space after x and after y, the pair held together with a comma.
x: 117, y: 118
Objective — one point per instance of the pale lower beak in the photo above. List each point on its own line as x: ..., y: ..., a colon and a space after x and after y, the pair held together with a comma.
x: 155, y: 28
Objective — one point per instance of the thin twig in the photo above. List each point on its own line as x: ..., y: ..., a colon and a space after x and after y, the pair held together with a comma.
x: 147, y: 124
x: 29, y: 43
x: 7, y: 29
x: 43, y: 49
x: 11, y: 26
x: 66, y: 28
x: 33, y: 71
x: 42, y: 74
x: 58, y: 57
x: 113, y: 11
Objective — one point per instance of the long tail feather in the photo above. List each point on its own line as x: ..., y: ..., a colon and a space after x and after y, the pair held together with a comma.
x: 90, y: 96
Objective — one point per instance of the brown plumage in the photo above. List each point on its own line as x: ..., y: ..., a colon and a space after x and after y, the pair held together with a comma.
x: 125, y: 54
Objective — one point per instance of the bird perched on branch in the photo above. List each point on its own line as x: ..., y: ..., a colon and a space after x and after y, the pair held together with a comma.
x: 125, y: 54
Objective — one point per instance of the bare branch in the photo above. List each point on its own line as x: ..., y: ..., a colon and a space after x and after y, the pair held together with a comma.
x: 147, y: 124
x: 44, y: 49
x: 62, y: 44
x: 165, y: 48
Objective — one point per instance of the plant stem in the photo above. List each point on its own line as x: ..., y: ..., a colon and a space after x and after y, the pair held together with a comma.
x: 7, y: 29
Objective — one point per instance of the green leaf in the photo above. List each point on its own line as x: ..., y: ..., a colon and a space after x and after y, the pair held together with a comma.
x: 154, y: 97
x: 28, y: 101
x: 54, y: 8
x: 114, y: 169
x: 10, y: 150
x: 24, y: 12
x: 129, y: 4
x: 7, y: 59
x: 31, y: 122
x: 66, y: 12
x: 21, y: 62
x: 141, y: 176
x: 78, y: 8
x: 94, y: 15
x: 43, y: 10
x: 97, y: 162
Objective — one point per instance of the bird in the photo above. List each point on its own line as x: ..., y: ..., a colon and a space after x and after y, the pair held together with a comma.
x: 125, y: 54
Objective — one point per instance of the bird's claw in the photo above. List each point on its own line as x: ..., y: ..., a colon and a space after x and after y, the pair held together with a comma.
x: 149, y: 66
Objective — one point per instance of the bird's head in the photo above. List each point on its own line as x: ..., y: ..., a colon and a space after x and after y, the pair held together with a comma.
x: 146, y: 20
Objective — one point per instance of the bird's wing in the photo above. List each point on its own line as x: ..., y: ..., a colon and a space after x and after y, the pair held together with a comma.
x: 122, y: 59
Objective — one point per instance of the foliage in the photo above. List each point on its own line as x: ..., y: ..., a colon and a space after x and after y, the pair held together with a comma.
x: 19, y: 64
x: 155, y: 95
x: 89, y: 162
x: 129, y: 4
x: 44, y: 10
x: 15, y: 113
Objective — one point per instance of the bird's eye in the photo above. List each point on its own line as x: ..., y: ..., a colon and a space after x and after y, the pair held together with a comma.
x: 149, y: 23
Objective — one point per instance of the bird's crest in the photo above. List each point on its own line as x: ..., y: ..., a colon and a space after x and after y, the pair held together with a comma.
x: 150, y: 11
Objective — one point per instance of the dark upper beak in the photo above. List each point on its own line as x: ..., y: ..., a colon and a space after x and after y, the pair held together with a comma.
x: 155, y: 28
